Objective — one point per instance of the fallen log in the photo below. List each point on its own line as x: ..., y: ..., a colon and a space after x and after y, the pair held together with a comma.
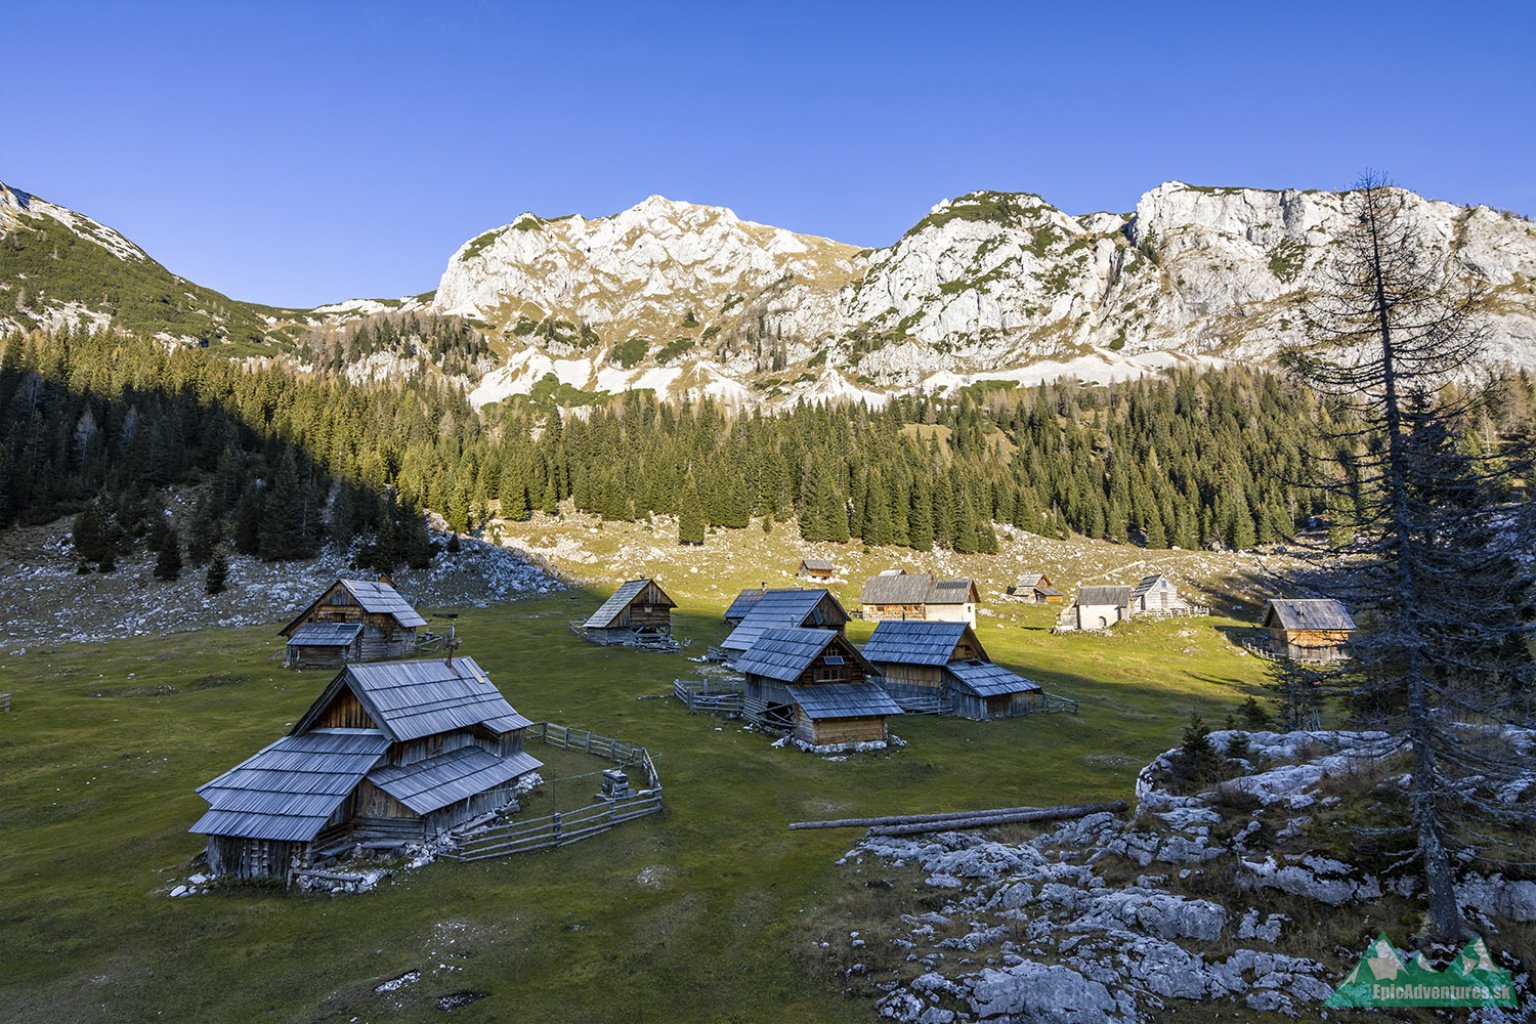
x: 907, y: 819
x: 986, y: 821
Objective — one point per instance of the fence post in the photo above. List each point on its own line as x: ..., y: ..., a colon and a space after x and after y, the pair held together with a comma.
x: 557, y: 828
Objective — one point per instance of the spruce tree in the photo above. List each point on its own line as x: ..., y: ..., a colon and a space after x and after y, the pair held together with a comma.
x: 281, y: 533
x: 204, y: 533
x: 690, y: 514
x: 168, y: 564
x: 215, y: 581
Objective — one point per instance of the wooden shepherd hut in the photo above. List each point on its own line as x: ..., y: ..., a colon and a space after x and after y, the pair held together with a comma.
x: 784, y: 609
x: 354, y: 620
x: 1315, y: 630
x: 1095, y: 608
x: 817, y: 686
x: 387, y: 755
x: 1034, y: 588
x: 940, y: 667
x: 816, y: 569
x: 896, y: 594
x: 639, y: 612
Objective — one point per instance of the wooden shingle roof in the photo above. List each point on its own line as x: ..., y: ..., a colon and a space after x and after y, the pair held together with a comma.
x: 785, y: 609
x: 985, y: 679
x: 289, y: 789
x: 1118, y: 597
x: 430, y: 785
x: 373, y: 596
x: 743, y: 604
x: 621, y: 599
x: 411, y: 699
x: 916, y: 588
x: 843, y: 700
x: 817, y: 564
x: 1147, y: 583
x: 325, y: 634
x: 1308, y: 613
x: 914, y: 643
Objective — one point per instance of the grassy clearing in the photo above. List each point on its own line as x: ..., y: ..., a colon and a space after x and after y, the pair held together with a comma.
x: 709, y: 912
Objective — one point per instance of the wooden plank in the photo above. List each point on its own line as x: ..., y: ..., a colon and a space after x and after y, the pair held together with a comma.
x: 1040, y: 814
x: 1045, y: 813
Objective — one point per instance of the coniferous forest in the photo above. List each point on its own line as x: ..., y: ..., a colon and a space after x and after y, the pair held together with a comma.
x: 96, y: 426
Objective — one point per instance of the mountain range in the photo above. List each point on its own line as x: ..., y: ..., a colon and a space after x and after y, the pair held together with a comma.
x: 692, y: 300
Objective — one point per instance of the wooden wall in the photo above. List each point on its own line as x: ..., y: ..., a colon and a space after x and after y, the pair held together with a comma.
x: 928, y: 677
x: 254, y: 858
x: 1313, y: 645
x: 345, y: 711
x: 829, y: 731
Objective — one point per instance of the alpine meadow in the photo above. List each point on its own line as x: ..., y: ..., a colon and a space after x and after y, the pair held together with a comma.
x: 1115, y: 603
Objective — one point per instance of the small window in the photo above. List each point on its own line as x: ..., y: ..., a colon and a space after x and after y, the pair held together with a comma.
x: 833, y: 659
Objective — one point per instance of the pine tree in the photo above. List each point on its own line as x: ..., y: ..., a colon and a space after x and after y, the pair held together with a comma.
x: 281, y: 533
x: 203, y: 535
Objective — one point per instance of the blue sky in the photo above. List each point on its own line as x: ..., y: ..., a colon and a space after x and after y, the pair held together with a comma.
x: 303, y: 153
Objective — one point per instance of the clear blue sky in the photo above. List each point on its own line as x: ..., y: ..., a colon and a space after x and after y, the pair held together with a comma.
x: 304, y: 153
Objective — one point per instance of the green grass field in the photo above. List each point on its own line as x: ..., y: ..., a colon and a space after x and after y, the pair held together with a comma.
x: 106, y: 743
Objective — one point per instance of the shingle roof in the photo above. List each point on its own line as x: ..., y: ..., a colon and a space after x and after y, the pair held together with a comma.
x: 288, y: 790
x: 372, y: 596
x: 610, y: 609
x: 783, y: 609
x: 379, y: 598
x: 915, y: 588
x: 783, y: 654
x: 1048, y: 591
x: 1309, y: 613
x: 820, y: 564
x: 1028, y: 581
x: 1119, y: 597
x: 988, y: 680
x: 1146, y: 584
x: 743, y: 604
x: 412, y: 699
x: 913, y: 643
x: 843, y: 700
x: 896, y: 588
x: 951, y: 592
x: 426, y: 786
x: 325, y: 634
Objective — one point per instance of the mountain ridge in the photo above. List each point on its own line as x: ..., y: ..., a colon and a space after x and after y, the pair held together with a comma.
x: 691, y: 300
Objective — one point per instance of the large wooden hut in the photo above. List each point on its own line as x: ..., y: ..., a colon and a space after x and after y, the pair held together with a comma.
x: 1315, y: 630
x: 1095, y: 608
x: 1034, y: 588
x: 638, y: 612
x: 816, y: 685
x: 902, y: 596
x: 387, y: 755
x: 353, y: 620
x: 784, y: 609
x: 942, y: 667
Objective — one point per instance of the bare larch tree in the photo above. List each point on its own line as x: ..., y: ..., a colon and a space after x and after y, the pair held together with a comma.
x: 1429, y: 535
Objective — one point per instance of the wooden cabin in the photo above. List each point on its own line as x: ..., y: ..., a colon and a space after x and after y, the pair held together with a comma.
x: 784, y: 609
x: 1157, y: 596
x: 1314, y: 630
x: 940, y: 667
x: 815, y: 685
x: 387, y: 755
x: 897, y: 595
x: 637, y: 612
x: 743, y: 603
x: 1034, y: 588
x: 354, y: 620
x: 816, y: 569
x: 1095, y: 608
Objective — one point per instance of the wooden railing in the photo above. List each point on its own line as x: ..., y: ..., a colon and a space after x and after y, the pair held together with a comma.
x: 565, y: 827
x: 1051, y: 703
x: 709, y: 695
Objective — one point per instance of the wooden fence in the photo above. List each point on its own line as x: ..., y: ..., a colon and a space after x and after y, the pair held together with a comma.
x: 1050, y: 703
x: 524, y: 835
x: 710, y: 695
x: 5, y: 702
